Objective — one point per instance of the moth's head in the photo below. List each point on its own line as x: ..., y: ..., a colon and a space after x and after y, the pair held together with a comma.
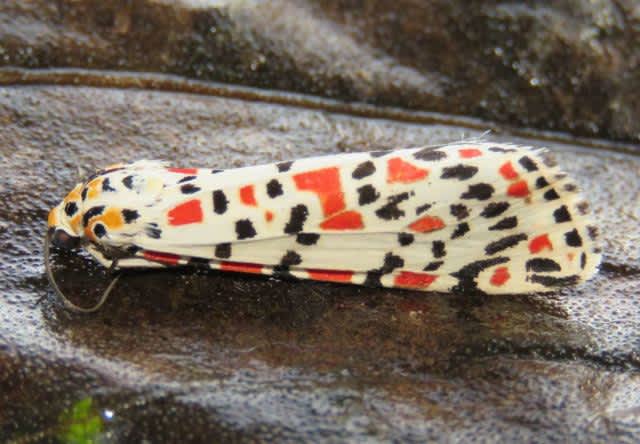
x: 92, y: 211
x: 65, y: 219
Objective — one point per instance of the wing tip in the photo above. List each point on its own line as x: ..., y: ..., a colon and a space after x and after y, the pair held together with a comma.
x: 585, y: 234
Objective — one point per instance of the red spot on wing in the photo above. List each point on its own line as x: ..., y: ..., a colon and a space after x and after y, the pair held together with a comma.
x: 518, y: 189
x: 400, y: 171
x: 241, y: 267
x: 349, y: 220
x: 183, y: 170
x: 467, y: 153
x: 165, y: 258
x: 414, y: 280
x: 540, y: 243
x: 500, y: 276
x: 268, y: 215
x: 331, y: 275
x: 247, y: 196
x: 189, y: 212
x: 507, y: 171
x: 326, y: 184
x: 426, y: 224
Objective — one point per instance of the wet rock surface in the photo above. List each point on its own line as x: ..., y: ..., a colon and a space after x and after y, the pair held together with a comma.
x: 191, y: 356
x: 568, y: 65
x: 199, y: 356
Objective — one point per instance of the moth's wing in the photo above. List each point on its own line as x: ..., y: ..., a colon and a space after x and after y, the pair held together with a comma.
x: 498, y: 217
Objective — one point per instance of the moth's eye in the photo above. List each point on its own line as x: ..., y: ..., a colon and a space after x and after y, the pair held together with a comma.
x: 99, y: 230
x: 62, y: 239
x: 70, y: 208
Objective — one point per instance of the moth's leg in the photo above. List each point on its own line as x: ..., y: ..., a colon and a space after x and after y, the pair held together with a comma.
x: 99, y: 256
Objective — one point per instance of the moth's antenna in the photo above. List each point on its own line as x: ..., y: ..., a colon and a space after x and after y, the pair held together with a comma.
x: 485, y: 134
x: 65, y: 301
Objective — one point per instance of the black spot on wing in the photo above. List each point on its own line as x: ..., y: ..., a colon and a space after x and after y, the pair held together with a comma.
x: 187, y: 179
x: 466, y: 275
x: 504, y: 243
x: 223, y: 251
x: 573, y: 239
x: 189, y: 188
x: 130, y: 215
x: 128, y: 182
x: 83, y: 194
x: 376, y: 154
x: 274, y: 188
x: 561, y: 215
x: 216, y: 171
x: 390, y: 210
x: 459, y: 211
x: 438, y: 250
x: 433, y: 266
x: 505, y: 224
x: 219, y: 202
x: 583, y: 260
x: 542, y: 264
x: 70, y: 208
x: 245, y: 229
x: 405, y: 239
x: 480, y: 191
x: 541, y: 182
x: 297, y: 218
x: 422, y: 208
x: 363, y: 170
x: 494, y: 209
x: 460, y: 230
x: 367, y: 194
x: 551, y: 194
x: 307, y: 238
x: 391, y: 262
x: 528, y: 164
x: 552, y: 281
x: 284, y: 166
x: 91, y: 212
x: 106, y: 185
x: 460, y: 172
x: 290, y: 258
x: 592, y: 232
x: 430, y: 154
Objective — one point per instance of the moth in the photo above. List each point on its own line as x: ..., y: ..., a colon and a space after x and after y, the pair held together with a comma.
x: 495, y: 218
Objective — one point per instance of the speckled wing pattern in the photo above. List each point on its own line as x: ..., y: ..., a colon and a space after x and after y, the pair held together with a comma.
x: 470, y: 216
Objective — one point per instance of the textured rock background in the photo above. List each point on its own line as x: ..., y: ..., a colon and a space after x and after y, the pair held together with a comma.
x: 199, y: 357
